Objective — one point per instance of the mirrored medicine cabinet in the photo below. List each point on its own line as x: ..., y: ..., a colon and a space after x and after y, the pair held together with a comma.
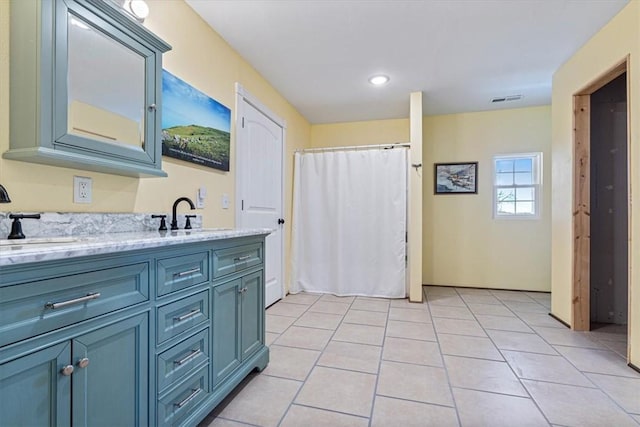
x: 86, y: 86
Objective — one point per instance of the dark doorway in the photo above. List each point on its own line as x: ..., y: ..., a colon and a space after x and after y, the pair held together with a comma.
x: 608, y: 266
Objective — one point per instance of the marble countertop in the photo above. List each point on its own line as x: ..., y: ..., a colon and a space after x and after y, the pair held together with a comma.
x: 13, y: 252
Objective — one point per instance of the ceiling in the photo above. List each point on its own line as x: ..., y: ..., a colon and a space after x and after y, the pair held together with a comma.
x: 319, y: 54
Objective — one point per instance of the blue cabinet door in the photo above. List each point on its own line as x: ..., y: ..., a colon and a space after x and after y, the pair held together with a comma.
x: 110, y: 382
x: 226, y: 329
x: 33, y: 391
x: 252, y: 314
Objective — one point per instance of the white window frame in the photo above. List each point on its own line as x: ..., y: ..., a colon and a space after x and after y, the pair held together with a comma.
x: 536, y: 158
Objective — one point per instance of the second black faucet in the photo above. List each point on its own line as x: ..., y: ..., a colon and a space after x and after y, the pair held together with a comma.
x: 174, y: 218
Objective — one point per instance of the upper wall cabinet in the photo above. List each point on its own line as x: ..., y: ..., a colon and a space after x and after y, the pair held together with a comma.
x: 86, y: 86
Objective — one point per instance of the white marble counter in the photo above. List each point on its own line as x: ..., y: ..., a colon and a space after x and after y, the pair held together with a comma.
x: 52, y: 248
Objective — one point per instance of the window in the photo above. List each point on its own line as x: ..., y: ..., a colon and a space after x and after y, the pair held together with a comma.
x: 516, y: 186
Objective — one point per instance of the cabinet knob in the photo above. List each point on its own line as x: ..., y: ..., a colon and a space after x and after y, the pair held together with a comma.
x: 151, y: 108
x: 83, y: 363
x: 67, y: 370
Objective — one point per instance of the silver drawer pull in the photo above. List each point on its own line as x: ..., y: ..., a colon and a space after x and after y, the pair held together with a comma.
x: 188, y: 315
x: 242, y: 258
x: 187, y: 273
x: 89, y: 297
x: 189, y: 357
x: 189, y: 398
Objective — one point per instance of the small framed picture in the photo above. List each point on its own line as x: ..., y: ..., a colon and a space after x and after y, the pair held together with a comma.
x: 456, y: 178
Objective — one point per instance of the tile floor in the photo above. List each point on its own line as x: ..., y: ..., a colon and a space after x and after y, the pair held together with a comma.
x: 469, y: 357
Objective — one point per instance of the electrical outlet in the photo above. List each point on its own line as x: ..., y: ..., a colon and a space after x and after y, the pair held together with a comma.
x: 82, y: 189
x: 225, y: 201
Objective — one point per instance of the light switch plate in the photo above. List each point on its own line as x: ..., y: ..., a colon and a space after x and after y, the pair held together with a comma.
x: 225, y: 201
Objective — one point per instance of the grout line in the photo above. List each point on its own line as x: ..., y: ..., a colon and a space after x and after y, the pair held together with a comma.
x: 375, y: 385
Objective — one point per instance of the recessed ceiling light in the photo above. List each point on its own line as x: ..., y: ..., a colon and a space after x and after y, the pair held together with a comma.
x: 378, y: 80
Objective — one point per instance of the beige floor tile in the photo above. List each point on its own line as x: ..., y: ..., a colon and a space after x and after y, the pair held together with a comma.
x: 412, y: 351
x: 304, y: 298
x: 380, y: 304
x: 411, y: 330
x: 334, y: 298
x: 290, y: 362
x: 625, y: 391
x: 541, y: 319
x: 413, y: 382
x: 480, y: 299
x: 405, y: 303
x: 351, y: 356
x: 394, y: 412
x: 309, y: 338
x: 362, y: 334
x: 285, y: 309
x: 338, y: 390
x: 329, y: 307
x: 545, y: 367
x: 597, y: 361
x: 503, y: 323
x: 484, y: 375
x: 490, y: 309
x: 481, y: 409
x: 362, y: 317
x: 458, y: 326
x: 445, y: 299
x: 221, y: 422
x: 319, y: 320
x: 567, y: 337
x: 577, y: 406
x: 298, y: 416
x: 504, y: 295
x: 263, y: 401
x: 409, y: 315
x: 520, y: 341
x: 278, y: 324
x: 270, y: 337
x: 526, y: 307
x: 451, y: 312
x: 459, y: 345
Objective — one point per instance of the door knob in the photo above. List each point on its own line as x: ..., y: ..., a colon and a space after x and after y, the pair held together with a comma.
x: 280, y: 220
x: 83, y: 363
x: 67, y: 370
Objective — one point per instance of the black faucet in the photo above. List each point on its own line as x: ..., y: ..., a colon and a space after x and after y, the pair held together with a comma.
x: 16, y: 225
x: 174, y: 218
x: 4, y: 196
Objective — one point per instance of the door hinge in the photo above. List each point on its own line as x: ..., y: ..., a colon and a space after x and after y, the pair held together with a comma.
x: 242, y: 205
x: 406, y: 237
x: 243, y: 122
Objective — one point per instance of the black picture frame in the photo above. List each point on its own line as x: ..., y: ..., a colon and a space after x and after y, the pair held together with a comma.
x: 455, y: 178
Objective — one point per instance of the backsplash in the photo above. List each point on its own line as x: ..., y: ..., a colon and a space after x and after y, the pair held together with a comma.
x: 53, y: 224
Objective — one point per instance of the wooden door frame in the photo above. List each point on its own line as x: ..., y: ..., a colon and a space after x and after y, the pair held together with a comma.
x: 243, y: 95
x: 581, y: 289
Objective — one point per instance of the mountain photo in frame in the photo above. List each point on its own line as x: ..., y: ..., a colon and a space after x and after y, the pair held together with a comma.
x: 456, y: 178
x: 195, y: 127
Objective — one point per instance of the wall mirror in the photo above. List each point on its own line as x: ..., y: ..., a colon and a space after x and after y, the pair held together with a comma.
x: 95, y: 73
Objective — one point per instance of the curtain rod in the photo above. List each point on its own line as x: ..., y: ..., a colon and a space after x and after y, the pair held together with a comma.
x: 355, y: 147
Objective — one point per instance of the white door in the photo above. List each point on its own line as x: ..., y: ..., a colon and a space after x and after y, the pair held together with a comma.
x: 260, y: 186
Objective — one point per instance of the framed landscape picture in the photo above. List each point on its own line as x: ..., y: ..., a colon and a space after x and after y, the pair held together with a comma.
x: 456, y: 178
x: 195, y: 128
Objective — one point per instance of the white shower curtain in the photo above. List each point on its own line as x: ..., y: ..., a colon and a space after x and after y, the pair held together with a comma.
x: 349, y: 222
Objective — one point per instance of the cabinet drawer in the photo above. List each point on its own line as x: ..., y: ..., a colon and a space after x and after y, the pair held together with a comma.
x: 180, y: 360
x: 231, y: 260
x: 180, y: 272
x: 176, y: 405
x: 182, y: 315
x: 32, y: 308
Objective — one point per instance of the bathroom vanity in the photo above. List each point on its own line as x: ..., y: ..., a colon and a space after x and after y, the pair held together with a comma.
x: 129, y: 329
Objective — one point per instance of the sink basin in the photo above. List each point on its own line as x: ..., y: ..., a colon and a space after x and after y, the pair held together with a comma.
x: 38, y: 241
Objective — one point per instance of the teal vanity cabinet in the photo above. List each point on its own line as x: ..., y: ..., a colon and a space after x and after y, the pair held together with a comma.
x: 74, y: 343
x: 86, y: 86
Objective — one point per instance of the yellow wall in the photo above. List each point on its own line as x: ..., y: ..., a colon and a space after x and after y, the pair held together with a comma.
x: 201, y: 58
x: 619, y: 38
x: 462, y: 244
x: 360, y: 133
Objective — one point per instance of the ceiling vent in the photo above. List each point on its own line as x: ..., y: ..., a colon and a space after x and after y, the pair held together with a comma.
x: 506, y: 98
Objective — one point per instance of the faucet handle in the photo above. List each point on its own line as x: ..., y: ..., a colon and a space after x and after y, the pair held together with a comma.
x: 163, y: 222
x: 16, y: 225
x: 187, y: 225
